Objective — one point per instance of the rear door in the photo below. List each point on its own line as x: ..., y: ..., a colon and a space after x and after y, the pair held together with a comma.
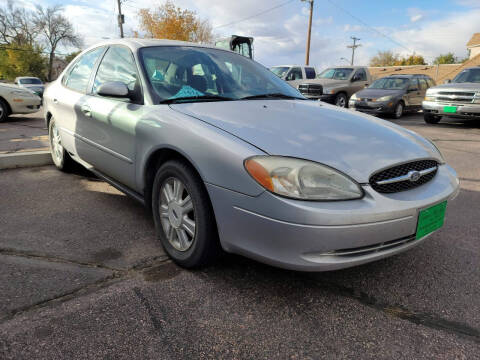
x: 110, y: 128
x: 414, y: 96
x: 66, y: 100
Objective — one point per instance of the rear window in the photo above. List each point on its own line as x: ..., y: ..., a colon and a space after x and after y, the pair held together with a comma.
x: 310, y: 73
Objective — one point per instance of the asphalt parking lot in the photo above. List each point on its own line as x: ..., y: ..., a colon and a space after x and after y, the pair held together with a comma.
x: 82, y: 276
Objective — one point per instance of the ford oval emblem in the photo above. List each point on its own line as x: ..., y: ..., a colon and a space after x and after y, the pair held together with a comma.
x: 414, y: 175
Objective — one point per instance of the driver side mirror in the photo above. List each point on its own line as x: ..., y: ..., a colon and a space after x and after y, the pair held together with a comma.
x: 114, y: 89
x: 447, y: 81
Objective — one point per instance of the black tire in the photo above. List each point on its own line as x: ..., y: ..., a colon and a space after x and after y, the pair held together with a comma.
x: 431, y: 119
x: 399, y: 110
x: 3, y: 111
x: 62, y: 159
x: 205, y: 245
x: 341, y: 100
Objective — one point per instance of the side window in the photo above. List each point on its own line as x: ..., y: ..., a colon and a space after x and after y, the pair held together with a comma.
x: 423, y: 84
x: 117, y: 65
x: 295, y: 74
x: 413, y: 84
x: 79, y: 76
x: 310, y: 73
x: 360, y: 75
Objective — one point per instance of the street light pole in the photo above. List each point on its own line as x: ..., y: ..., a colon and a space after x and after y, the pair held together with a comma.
x: 309, y: 35
x: 353, y: 47
x: 121, y: 17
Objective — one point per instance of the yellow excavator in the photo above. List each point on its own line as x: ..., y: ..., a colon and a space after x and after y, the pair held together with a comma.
x: 240, y: 44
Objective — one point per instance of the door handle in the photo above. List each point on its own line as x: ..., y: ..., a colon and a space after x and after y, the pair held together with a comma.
x: 86, y: 110
x: 55, y: 101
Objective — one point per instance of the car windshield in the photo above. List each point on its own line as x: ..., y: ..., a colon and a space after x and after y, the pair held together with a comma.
x: 337, y: 74
x: 470, y: 75
x: 390, y: 84
x: 196, y: 74
x: 29, y: 81
x: 280, y: 71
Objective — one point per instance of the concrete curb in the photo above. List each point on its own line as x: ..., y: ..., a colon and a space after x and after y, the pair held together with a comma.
x: 25, y: 159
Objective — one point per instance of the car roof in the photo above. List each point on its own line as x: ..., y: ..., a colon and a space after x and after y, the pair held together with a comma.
x: 137, y: 43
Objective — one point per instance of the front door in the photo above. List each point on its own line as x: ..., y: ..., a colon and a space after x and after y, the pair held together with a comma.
x: 110, y: 125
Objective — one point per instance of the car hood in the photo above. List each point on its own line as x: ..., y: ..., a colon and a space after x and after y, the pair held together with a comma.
x: 459, y: 86
x: 329, y: 83
x: 376, y: 93
x: 355, y: 144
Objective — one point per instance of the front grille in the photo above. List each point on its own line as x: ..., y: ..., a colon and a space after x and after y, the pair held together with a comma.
x: 371, y: 249
x: 401, y: 170
x: 455, y: 96
x: 311, y: 89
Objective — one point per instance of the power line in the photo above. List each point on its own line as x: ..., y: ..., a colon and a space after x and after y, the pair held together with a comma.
x: 370, y: 27
x: 255, y: 15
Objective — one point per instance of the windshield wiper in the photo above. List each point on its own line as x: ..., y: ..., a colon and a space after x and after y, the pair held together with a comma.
x: 196, y: 98
x: 271, y: 96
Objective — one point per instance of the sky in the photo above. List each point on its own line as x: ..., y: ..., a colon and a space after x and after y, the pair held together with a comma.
x: 423, y: 27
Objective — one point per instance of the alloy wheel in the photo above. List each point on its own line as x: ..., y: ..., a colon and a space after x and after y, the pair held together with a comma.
x: 341, y: 101
x: 177, y: 214
x: 399, y: 110
x: 56, y: 144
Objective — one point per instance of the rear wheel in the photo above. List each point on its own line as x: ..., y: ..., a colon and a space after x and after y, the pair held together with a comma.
x: 3, y: 110
x: 183, y: 216
x: 431, y: 119
x: 60, y: 156
x: 341, y: 100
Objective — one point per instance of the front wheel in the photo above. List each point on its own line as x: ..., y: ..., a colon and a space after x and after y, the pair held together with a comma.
x: 431, y: 119
x: 341, y: 100
x: 183, y: 216
x: 397, y: 114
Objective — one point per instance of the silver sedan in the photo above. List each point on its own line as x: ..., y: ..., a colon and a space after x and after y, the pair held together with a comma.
x: 229, y: 157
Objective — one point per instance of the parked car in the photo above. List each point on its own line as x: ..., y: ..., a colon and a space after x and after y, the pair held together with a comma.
x: 228, y: 156
x: 336, y: 85
x: 458, y: 98
x: 294, y: 74
x: 392, y: 95
x: 15, y: 100
x: 31, y: 83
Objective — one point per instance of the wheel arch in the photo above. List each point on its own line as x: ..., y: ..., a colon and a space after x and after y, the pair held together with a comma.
x: 154, y: 160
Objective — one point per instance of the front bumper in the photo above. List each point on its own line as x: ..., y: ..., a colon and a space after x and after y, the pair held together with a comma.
x: 464, y: 111
x: 370, y: 107
x: 314, y: 236
x: 25, y: 105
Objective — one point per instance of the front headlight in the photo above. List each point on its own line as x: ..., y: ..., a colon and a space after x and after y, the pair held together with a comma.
x: 477, y: 98
x: 301, y: 179
x: 429, y: 98
x: 385, y: 98
x: 438, y: 150
x: 329, y: 91
x: 353, y: 97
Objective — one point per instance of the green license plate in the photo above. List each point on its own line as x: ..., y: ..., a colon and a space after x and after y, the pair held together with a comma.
x: 450, y: 109
x: 431, y: 219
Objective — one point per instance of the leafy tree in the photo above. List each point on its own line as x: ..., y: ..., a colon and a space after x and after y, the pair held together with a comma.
x: 170, y: 22
x: 22, y: 60
x: 71, y: 56
x: 55, y: 29
x: 412, y: 60
x: 384, y: 58
x: 447, y: 58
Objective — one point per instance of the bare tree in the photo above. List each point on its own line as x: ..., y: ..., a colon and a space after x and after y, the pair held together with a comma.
x: 56, y: 30
x: 16, y: 25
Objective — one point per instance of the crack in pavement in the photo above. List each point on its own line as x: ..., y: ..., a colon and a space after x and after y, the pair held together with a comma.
x: 432, y: 321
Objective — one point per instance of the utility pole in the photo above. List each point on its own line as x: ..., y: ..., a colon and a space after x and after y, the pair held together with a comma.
x: 353, y: 47
x: 307, y: 56
x: 121, y: 17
